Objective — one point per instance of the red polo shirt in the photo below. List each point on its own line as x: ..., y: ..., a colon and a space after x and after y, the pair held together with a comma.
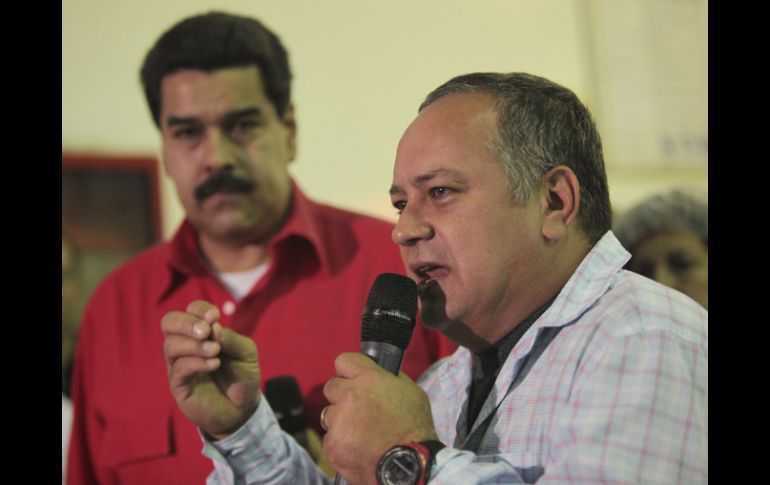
x: 304, y: 312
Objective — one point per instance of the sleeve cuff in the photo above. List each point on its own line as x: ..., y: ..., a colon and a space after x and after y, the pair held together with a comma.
x: 237, y: 451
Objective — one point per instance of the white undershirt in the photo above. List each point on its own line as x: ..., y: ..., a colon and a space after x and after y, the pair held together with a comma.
x: 240, y: 283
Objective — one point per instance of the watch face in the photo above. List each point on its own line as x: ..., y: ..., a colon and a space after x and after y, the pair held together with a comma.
x: 400, y: 466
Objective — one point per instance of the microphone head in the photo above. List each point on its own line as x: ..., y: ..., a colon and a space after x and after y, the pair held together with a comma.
x: 283, y: 394
x: 389, y: 315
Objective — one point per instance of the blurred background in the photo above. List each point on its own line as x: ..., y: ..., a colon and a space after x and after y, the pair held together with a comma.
x: 361, y: 70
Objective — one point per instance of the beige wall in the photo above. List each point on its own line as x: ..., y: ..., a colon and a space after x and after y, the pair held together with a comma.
x: 361, y: 69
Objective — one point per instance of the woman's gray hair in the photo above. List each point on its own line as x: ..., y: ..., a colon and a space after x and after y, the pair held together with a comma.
x: 674, y: 211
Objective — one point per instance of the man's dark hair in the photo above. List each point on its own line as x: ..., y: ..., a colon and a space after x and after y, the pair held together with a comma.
x: 218, y: 40
x: 540, y: 125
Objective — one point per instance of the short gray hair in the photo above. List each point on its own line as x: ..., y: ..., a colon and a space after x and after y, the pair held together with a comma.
x: 540, y: 125
x: 670, y: 212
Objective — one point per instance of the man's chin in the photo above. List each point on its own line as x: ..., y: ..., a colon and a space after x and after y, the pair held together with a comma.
x: 455, y: 330
x: 433, y: 314
x: 432, y: 304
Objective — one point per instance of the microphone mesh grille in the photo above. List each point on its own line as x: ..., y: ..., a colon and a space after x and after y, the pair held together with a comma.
x: 390, y: 311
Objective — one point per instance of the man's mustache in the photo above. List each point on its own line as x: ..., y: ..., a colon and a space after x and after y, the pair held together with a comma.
x: 222, y: 181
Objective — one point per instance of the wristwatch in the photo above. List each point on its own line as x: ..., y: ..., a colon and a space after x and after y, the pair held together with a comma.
x: 408, y: 463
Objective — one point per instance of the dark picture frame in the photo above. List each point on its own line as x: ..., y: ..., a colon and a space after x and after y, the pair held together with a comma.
x: 110, y: 203
x: 110, y: 212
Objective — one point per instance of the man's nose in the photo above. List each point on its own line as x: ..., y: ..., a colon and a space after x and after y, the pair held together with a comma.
x: 411, y: 228
x: 218, y: 151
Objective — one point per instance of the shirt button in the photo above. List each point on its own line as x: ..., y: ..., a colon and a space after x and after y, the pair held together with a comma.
x: 228, y: 308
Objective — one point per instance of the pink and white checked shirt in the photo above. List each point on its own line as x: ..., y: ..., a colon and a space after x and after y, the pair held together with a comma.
x: 609, y: 385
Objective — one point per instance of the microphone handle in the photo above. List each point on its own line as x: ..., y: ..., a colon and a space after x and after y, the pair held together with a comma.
x: 387, y: 356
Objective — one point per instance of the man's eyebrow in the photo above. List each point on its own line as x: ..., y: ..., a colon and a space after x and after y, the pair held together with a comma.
x: 180, y: 120
x: 427, y: 177
x: 240, y: 113
x: 395, y: 190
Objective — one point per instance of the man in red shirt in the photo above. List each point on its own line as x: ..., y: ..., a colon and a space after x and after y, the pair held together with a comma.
x: 290, y: 273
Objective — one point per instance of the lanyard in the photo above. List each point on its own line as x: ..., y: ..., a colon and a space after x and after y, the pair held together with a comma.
x: 543, y: 340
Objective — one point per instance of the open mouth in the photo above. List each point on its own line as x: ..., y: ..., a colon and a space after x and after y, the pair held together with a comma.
x: 429, y: 272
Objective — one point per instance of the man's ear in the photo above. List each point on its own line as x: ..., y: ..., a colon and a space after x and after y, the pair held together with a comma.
x: 290, y: 122
x: 560, y: 201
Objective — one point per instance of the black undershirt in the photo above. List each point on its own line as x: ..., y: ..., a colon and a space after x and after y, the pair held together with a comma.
x: 486, y: 365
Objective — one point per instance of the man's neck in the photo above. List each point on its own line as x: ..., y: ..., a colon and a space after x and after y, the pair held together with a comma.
x: 561, y: 266
x: 229, y: 257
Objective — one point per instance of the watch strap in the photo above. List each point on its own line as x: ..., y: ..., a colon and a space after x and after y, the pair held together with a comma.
x: 427, y: 450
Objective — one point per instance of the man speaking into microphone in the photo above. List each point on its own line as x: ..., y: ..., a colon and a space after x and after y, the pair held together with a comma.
x: 571, y: 369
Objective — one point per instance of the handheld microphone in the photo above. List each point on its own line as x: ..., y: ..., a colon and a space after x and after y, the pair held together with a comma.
x: 283, y: 394
x: 388, y: 320
x: 387, y: 323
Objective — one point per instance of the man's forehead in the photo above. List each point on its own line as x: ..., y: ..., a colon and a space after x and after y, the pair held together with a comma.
x: 464, y: 121
x: 464, y: 115
x: 232, y: 89
x: 251, y: 70
x: 246, y: 79
x: 464, y: 105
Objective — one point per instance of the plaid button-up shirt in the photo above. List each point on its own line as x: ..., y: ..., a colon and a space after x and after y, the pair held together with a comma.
x: 609, y: 385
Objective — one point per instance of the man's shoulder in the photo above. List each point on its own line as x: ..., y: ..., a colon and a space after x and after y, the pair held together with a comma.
x: 635, y: 305
x: 347, y: 230
x: 142, y: 268
x: 131, y: 288
x: 346, y: 217
x: 145, y: 261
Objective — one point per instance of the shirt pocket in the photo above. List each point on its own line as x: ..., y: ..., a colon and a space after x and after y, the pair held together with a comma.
x: 136, y: 439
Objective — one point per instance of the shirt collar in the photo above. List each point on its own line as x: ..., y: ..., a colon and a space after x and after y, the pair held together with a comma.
x: 588, y: 283
x: 303, y: 222
x: 306, y: 222
x: 490, y: 360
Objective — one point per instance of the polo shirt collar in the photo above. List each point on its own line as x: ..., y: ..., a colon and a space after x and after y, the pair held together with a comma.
x: 184, y: 255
